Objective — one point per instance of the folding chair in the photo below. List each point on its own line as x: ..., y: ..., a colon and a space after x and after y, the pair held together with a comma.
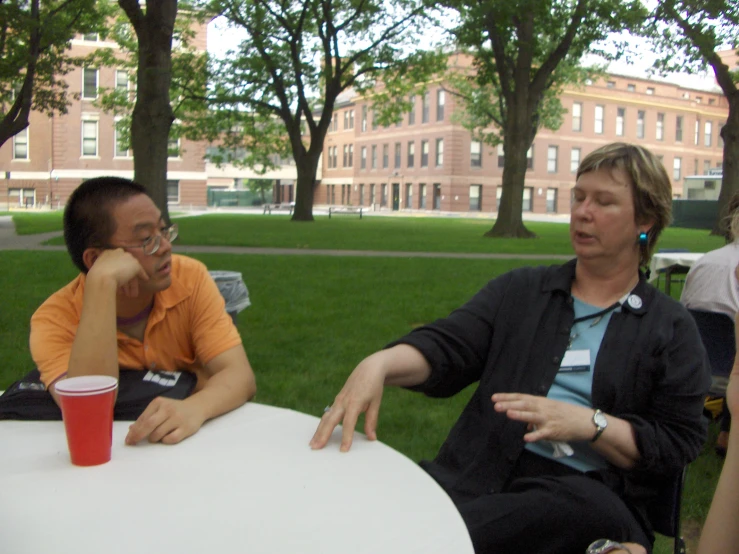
x: 668, y: 272
x: 664, y: 511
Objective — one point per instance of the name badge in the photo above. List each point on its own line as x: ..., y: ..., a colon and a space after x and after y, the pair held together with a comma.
x: 575, y: 360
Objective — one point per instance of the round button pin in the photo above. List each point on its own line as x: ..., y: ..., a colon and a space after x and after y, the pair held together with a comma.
x: 634, y: 301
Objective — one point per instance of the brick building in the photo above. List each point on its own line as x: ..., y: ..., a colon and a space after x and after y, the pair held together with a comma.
x: 42, y: 165
x: 429, y: 162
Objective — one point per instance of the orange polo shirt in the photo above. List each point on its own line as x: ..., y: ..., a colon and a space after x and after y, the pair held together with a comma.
x: 187, y: 327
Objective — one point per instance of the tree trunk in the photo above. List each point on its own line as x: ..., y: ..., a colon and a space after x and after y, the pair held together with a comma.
x: 730, y: 179
x: 516, y: 142
x: 152, y: 115
x: 304, y: 187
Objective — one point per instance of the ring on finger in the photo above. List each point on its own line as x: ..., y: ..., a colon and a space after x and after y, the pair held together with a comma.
x: 327, y: 409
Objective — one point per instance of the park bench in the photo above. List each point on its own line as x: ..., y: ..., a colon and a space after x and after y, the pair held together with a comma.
x: 268, y: 208
x: 348, y: 210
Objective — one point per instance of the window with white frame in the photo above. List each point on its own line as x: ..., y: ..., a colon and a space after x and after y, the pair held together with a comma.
x: 121, y: 80
x: 660, y: 130
x: 20, y: 145
x: 528, y: 194
x: 173, y: 191
x: 577, y: 116
x: 121, y: 148
x: 552, y: 152
x: 412, y: 112
x: 363, y: 158
x: 411, y: 153
x: 475, y: 197
x: 89, y: 83
x: 677, y: 164
x: 552, y: 200
x: 501, y: 156
x: 364, y: 118
x: 439, y: 152
x: 475, y: 153
x: 575, y: 159
x: 679, y: 128
x: 640, y: 116
x: 620, y: 117
x: 398, y: 153
x: 173, y: 147
x: 351, y: 155
x: 89, y: 137
x: 598, y: 121
x: 424, y: 153
x: 425, y: 108
x: 708, y: 135
x: 440, y: 101
x: 91, y: 37
x: 696, y: 138
x: 385, y: 156
x: 374, y: 157
x: 530, y: 157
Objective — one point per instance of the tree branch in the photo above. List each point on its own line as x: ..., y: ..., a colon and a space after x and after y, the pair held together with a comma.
x: 134, y: 13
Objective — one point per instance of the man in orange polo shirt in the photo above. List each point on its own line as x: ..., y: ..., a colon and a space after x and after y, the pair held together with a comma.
x: 137, y: 305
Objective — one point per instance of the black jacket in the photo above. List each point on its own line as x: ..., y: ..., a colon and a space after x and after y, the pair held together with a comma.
x: 651, y: 370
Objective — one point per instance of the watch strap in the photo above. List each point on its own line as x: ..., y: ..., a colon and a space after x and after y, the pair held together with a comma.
x: 598, y: 428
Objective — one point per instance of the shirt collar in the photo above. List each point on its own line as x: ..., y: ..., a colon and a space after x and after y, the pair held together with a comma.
x: 560, y: 278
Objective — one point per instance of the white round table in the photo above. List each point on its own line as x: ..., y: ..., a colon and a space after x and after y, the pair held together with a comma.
x: 247, y: 482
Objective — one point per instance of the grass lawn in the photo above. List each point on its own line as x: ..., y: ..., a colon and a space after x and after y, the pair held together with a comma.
x: 311, y: 320
x: 32, y: 223
x: 404, y: 234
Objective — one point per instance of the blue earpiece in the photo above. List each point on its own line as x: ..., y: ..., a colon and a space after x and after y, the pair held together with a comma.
x: 643, y: 239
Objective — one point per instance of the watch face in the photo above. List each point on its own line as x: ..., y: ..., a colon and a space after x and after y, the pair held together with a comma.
x: 600, y: 419
x: 601, y: 546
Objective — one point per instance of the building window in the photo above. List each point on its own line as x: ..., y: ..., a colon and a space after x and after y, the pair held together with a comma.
x: 412, y: 112
x: 121, y: 150
x: 90, y: 37
x: 611, y: 84
x: 348, y: 159
x: 89, y: 137
x: 650, y: 90
x: 364, y: 118
x: 696, y: 138
x: 708, y: 135
x: 640, y: 115
x: 475, y: 153
x: 574, y: 159
x: 439, y: 152
x: 620, y: 117
x: 660, y: 131
x: 374, y: 157
x: 631, y: 87
x: 552, y: 152
x: 679, y: 128
x: 677, y: 168
x: 351, y: 155
x: 173, y: 192
x: 475, y: 198
x: 530, y: 157
x: 408, y: 195
x: 706, y: 166
x: 424, y: 153
x: 383, y: 197
x: 121, y: 80
x: 528, y: 194
x: 425, y: 108
x: 411, y: 153
x: 374, y: 120
x: 89, y: 83
x: 498, y: 194
x: 501, y: 156
x: 385, y: 156
x: 345, y: 155
x: 361, y: 194
x: 422, y: 196
x: 20, y: 145
x: 363, y: 158
x: 372, y: 194
x: 577, y: 116
x: 348, y: 119
x: 551, y: 201
x: 440, y: 100
x: 599, y: 111
x: 397, y: 155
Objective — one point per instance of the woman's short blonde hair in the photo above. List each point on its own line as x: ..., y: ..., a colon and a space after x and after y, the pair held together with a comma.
x: 650, y: 186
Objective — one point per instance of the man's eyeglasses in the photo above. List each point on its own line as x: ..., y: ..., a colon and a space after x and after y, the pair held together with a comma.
x: 151, y: 245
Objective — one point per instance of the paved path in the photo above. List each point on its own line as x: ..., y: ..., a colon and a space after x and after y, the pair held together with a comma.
x: 10, y: 241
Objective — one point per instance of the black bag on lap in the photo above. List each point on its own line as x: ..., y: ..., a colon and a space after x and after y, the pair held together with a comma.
x: 28, y: 399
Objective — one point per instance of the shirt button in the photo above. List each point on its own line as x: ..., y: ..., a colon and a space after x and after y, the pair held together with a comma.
x: 555, y: 360
x: 542, y: 389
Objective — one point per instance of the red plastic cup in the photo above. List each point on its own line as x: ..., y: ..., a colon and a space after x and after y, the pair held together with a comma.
x: 87, y: 409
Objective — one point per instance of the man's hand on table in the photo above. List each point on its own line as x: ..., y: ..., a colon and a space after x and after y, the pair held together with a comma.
x: 166, y: 420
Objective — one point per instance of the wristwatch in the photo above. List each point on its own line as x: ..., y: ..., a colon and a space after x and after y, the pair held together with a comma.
x: 601, y: 546
x: 600, y: 422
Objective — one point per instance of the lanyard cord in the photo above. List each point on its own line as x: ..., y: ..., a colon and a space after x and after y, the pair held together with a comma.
x: 596, y: 317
